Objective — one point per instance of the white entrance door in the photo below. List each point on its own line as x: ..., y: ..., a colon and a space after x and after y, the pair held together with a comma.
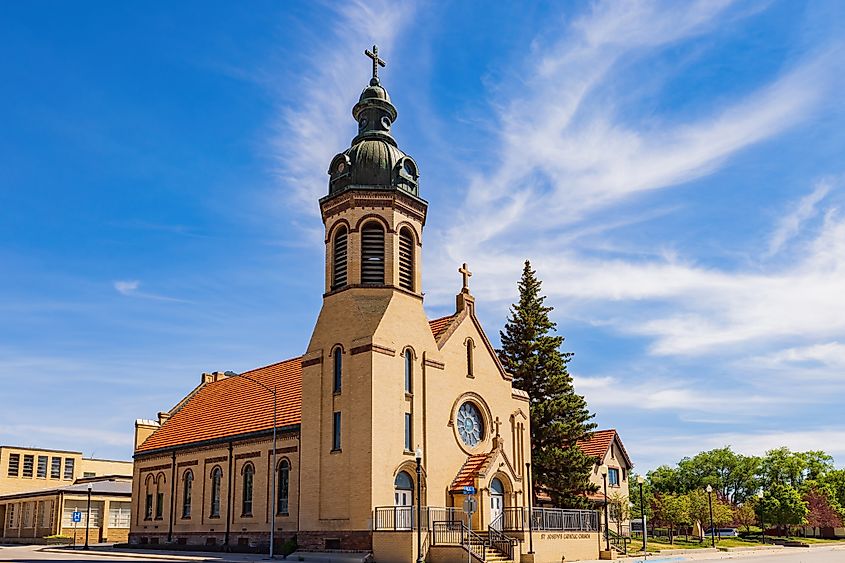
x: 404, y: 510
x: 496, y: 503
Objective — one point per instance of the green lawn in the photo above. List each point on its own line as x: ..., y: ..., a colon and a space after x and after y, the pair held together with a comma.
x: 659, y: 544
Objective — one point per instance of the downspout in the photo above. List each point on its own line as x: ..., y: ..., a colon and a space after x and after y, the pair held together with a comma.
x: 298, y: 480
x: 424, y: 417
x: 229, y: 500
x: 172, y: 495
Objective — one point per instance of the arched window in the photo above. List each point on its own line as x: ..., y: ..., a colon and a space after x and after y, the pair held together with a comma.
x: 148, y: 498
x: 246, y: 503
x: 284, y: 487
x: 403, y: 482
x: 470, y: 347
x: 338, y: 369
x: 496, y: 487
x: 339, y: 250
x: 160, y: 497
x: 409, y: 371
x: 372, y: 254
x: 216, y: 479
x: 187, y: 485
x: 406, y: 259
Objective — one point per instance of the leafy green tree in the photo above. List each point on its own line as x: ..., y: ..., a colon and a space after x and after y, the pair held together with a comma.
x: 729, y: 473
x: 670, y: 510
x: 835, y: 481
x: 559, y: 416
x: 665, y: 480
x: 783, y: 506
x: 784, y: 467
x: 699, y: 510
x: 744, y: 515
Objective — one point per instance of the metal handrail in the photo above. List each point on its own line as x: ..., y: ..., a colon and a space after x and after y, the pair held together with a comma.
x: 393, y: 518
x: 458, y: 534
x: 498, y: 540
x: 618, y: 542
x: 516, y: 518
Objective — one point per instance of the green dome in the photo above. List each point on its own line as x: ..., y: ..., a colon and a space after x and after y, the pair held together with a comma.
x: 372, y: 162
x: 374, y: 92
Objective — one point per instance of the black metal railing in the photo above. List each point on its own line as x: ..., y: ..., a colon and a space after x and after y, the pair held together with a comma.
x: 516, y: 518
x: 497, y: 539
x: 618, y: 542
x: 457, y: 534
x: 392, y: 518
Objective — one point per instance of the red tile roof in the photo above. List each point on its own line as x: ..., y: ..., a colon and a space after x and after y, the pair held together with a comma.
x: 233, y: 406
x: 439, y: 326
x: 469, y: 471
x: 599, y: 442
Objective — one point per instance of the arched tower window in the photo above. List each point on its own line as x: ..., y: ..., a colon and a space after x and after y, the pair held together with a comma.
x: 187, y: 485
x: 216, y: 479
x: 372, y: 254
x: 406, y: 259
x: 160, y: 497
x: 470, y: 347
x: 339, y: 254
x: 284, y: 487
x: 338, y: 370
x: 249, y: 477
x: 409, y: 371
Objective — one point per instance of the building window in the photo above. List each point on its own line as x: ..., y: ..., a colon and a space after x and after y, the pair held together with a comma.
x: 338, y: 369
x: 159, y: 504
x: 470, y: 348
x: 28, y: 463
x: 406, y: 259
x: 42, y: 467
x: 216, y: 479
x: 69, y: 468
x: 148, y: 507
x: 246, y: 504
x: 13, y: 521
x: 27, y: 515
x: 14, y: 465
x: 119, y: 514
x: 55, y: 468
x: 340, y: 252
x: 409, y: 371
x: 372, y: 254
x: 336, y: 431
x: 284, y: 487
x: 408, y: 431
x: 87, y: 474
x: 187, y: 484
x: 613, y: 477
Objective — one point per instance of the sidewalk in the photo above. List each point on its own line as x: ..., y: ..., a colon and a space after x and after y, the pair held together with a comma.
x: 216, y: 557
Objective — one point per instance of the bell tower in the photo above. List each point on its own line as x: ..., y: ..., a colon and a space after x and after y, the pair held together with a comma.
x: 356, y: 404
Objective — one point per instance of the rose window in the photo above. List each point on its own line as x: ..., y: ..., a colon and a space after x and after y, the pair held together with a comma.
x: 470, y: 424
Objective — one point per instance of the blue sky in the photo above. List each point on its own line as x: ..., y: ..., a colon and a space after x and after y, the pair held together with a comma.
x: 673, y: 170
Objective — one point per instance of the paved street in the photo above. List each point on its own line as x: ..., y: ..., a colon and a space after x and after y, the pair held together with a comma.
x: 38, y: 553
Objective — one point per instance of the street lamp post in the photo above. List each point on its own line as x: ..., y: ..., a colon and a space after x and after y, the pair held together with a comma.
x: 762, y: 520
x: 88, y: 517
x: 606, y: 517
x: 709, y: 490
x: 420, y: 558
x: 273, y: 500
x: 640, y: 480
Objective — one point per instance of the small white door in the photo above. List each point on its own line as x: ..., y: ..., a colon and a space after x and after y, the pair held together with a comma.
x: 497, y: 502
x: 404, y: 510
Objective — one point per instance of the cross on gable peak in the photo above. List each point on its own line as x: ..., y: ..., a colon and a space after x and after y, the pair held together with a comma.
x: 376, y: 63
x: 464, y: 271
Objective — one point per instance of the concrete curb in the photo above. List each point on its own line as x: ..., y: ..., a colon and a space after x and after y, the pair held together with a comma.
x: 138, y: 555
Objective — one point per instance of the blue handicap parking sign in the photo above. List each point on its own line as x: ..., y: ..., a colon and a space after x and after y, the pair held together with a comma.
x: 76, y: 516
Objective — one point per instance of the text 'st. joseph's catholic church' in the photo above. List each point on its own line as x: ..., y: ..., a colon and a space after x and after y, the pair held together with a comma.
x: 378, y: 382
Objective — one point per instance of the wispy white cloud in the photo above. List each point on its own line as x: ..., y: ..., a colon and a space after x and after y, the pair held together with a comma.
x: 790, y: 224
x: 130, y: 288
x: 311, y: 132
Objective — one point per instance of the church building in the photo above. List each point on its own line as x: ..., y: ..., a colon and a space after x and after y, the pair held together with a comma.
x: 386, y: 415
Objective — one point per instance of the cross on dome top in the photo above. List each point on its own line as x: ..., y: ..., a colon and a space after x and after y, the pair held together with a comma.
x: 376, y: 63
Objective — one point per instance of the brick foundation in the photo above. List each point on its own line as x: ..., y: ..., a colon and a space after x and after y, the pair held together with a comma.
x: 343, y: 540
x: 254, y: 542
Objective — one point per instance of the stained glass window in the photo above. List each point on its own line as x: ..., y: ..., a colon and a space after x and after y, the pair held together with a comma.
x: 470, y: 424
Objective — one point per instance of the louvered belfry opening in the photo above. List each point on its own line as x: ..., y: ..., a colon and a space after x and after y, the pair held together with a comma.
x: 372, y: 254
x: 339, y: 261
x: 406, y: 259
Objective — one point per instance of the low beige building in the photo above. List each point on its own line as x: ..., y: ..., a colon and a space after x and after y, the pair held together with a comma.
x: 33, y: 515
x: 613, y: 469
x: 29, y: 469
x: 387, y: 414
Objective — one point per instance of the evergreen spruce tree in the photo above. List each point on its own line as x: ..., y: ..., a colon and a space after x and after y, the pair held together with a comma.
x: 559, y: 417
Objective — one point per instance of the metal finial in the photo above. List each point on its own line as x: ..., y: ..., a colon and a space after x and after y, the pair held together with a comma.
x: 376, y: 62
